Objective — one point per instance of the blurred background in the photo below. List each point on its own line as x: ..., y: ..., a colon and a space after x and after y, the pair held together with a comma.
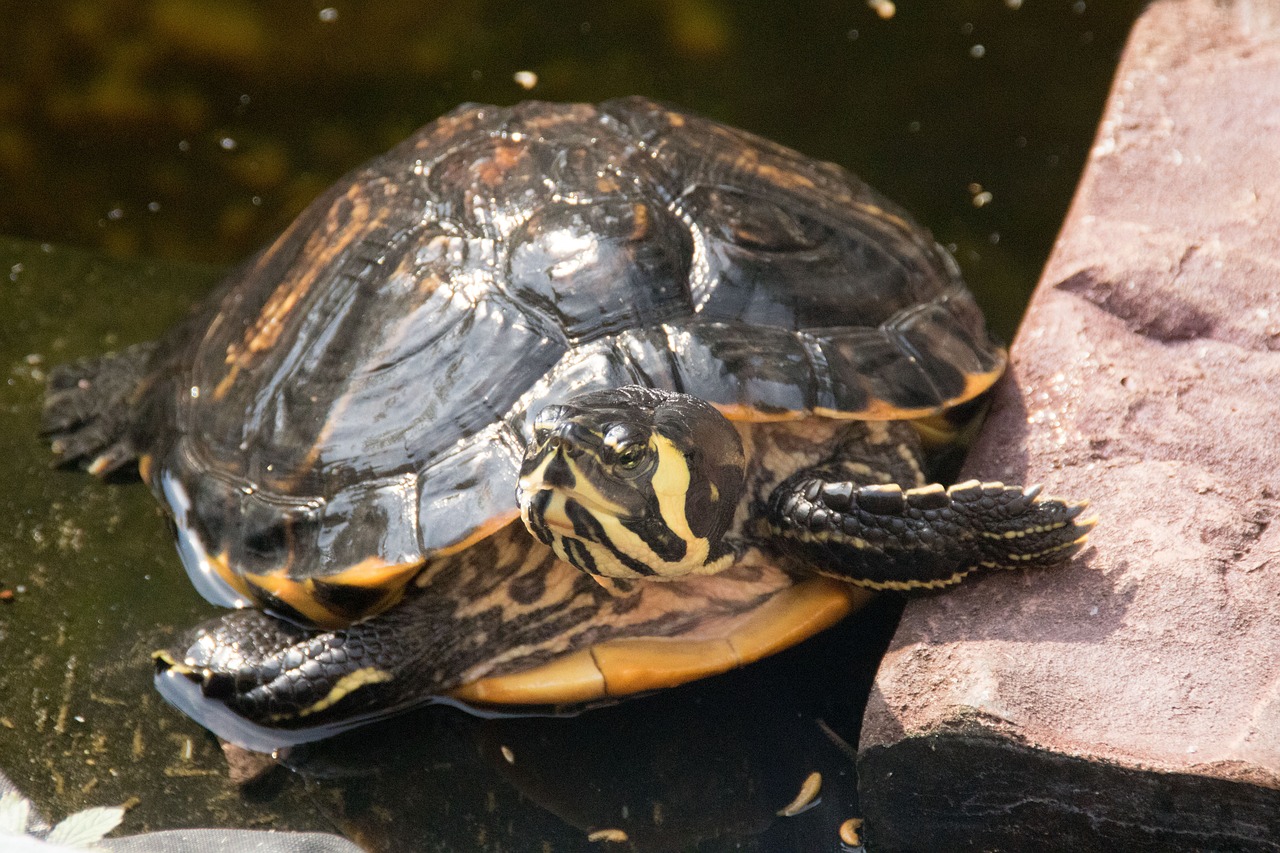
x: 197, y: 129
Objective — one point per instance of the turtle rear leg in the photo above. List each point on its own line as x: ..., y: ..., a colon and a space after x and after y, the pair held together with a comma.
x: 866, y: 516
x: 89, y: 409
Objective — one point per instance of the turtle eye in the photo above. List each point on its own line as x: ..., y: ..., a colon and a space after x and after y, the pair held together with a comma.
x: 630, y: 456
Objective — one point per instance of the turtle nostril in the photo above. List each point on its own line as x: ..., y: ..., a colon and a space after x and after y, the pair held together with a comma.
x: 566, y: 441
x: 557, y: 474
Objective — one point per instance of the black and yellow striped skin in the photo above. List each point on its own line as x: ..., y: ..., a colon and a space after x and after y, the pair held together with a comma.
x: 863, y: 512
x: 504, y: 623
x: 634, y: 483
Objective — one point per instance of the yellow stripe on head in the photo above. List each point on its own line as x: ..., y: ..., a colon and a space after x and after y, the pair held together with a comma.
x: 633, y: 483
x: 602, y: 536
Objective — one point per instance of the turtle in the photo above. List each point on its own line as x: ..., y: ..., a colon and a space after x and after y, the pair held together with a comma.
x: 550, y: 404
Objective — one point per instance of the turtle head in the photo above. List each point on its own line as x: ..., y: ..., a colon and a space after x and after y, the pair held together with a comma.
x: 633, y: 482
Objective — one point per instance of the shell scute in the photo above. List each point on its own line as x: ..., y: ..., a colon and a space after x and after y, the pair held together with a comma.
x: 364, y: 387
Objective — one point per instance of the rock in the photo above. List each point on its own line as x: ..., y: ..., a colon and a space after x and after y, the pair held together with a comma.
x: 1132, y: 699
x: 245, y: 767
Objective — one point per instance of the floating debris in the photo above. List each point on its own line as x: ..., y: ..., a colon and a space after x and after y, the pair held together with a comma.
x: 615, y: 835
x: 884, y: 8
x: 850, y: 832
x: 525, y: 79
x: 82, y: 829
x: 808, y: 793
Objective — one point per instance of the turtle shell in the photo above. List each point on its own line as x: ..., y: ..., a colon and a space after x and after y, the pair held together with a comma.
x: 358, y: 396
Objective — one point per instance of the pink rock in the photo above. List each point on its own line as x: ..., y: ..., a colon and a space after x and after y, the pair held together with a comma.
x: 1133, y: 696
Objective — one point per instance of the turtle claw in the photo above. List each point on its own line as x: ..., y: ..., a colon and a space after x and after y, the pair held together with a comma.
x: 928, y: 536
x: 87, y: 414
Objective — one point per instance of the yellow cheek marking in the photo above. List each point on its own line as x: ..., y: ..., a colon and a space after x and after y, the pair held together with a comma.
x: 601, y: 508
x: 346, y: 685
x: 583, y: 491
x: 532, y: 482
x: 671, y: 485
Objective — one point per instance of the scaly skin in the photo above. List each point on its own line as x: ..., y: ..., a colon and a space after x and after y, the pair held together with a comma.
x: 888, y: 537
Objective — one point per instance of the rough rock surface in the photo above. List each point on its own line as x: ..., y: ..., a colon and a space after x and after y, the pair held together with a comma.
x: 1132, y: 697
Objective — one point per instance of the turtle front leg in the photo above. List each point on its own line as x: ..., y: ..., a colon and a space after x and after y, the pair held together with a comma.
x: 867, y: 517
x: 264, y: 682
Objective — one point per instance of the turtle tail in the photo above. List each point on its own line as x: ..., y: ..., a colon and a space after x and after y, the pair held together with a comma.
x: 90, y: 408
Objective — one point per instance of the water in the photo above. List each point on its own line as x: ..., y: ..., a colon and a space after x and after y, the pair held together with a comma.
x: 195, y: 130
x: 189, y: 130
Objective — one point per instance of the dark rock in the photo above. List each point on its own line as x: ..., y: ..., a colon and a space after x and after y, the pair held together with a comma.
x: 1133, y: 697
x: 1017, y: 798
x: 246, y: 768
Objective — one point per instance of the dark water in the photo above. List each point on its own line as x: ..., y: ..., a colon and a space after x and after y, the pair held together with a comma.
x: 192, y: 130
x: 196, y: 129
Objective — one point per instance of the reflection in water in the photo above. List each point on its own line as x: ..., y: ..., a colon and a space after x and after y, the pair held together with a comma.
x: 705, y: 767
